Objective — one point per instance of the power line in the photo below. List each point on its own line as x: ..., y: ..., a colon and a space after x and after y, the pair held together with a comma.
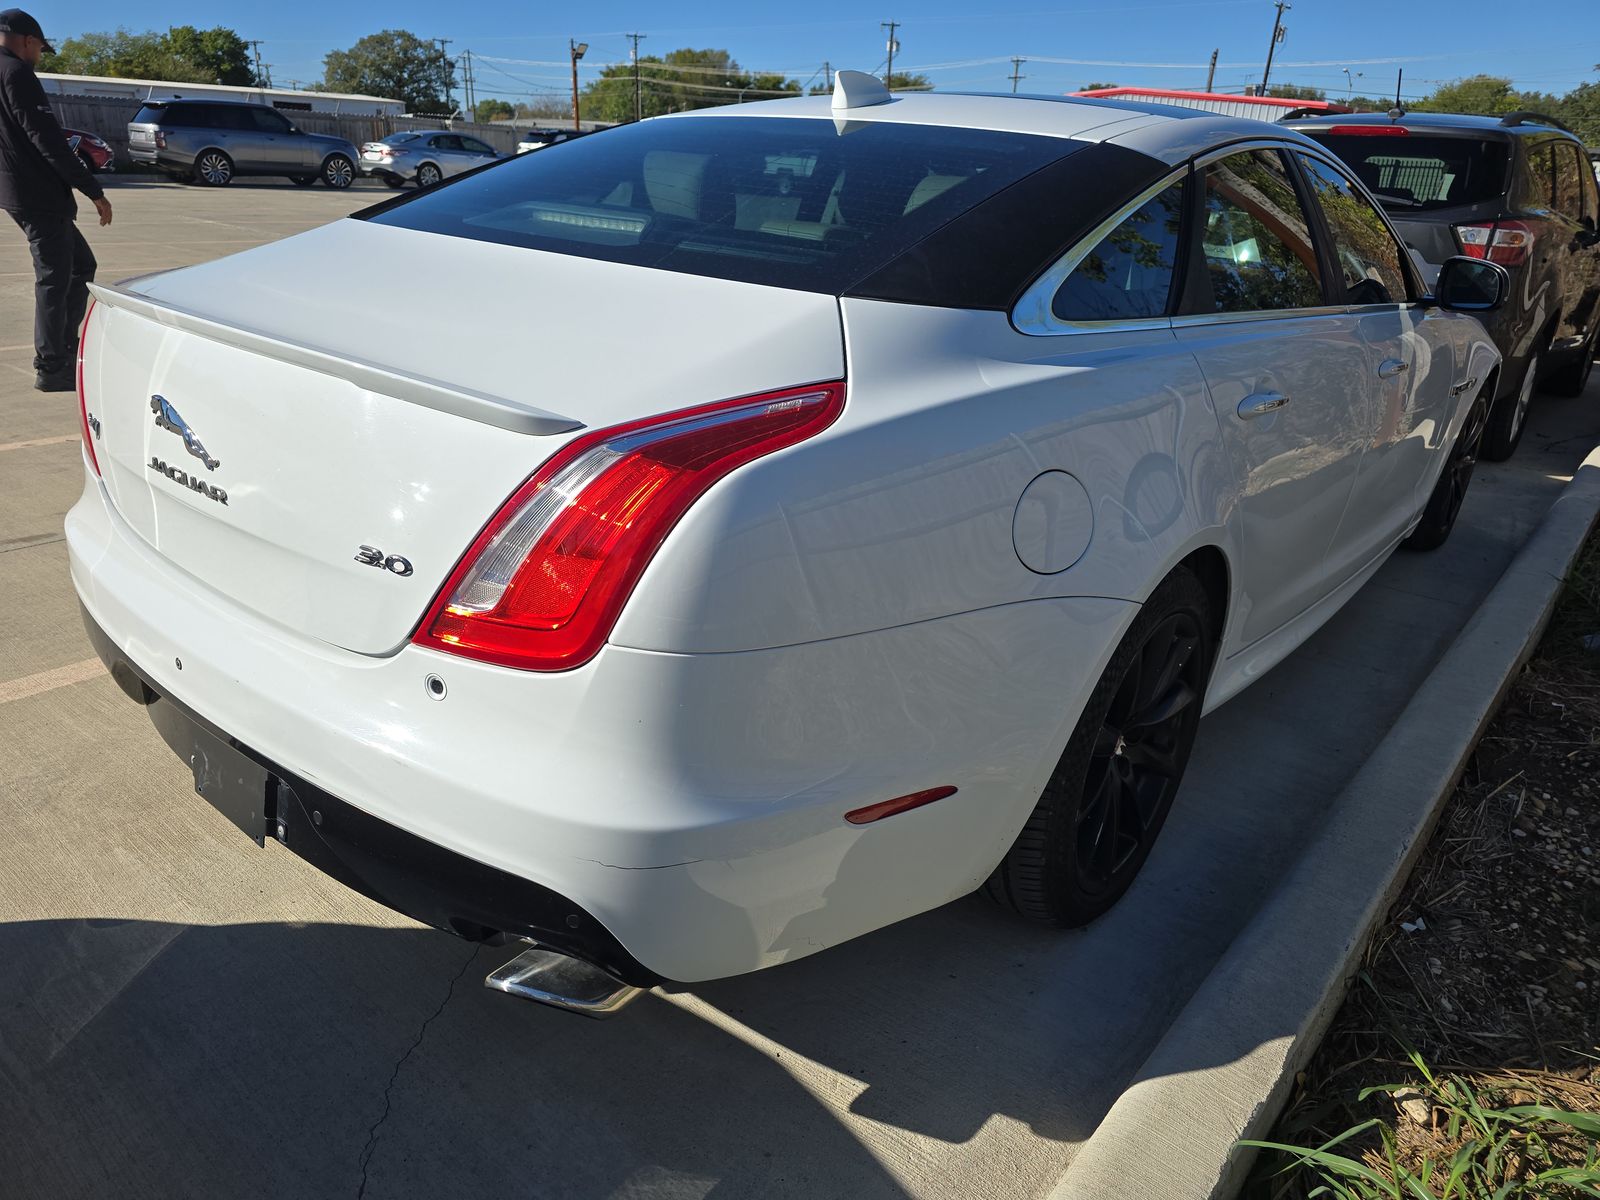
x: 638, y: 96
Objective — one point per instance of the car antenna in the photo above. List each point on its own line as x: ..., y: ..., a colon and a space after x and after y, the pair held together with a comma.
x: 1397, y: 111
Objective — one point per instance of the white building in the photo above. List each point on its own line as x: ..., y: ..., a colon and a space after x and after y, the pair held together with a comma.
x: 332, y: 103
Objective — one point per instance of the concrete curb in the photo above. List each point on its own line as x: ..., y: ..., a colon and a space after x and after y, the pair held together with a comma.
x: 1222, y: 1071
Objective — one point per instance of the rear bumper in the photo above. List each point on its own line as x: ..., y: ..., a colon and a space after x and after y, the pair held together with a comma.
x: 687, y: 808
x: 408, y: 874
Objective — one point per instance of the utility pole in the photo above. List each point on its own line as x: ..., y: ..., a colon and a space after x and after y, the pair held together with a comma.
x: 466, y: 85
x: 450, y: 74
x: 1212, y: 73
x: 255, y: 47
x: 638, y: 96
x: 891, y: 26
x: 1016, y: 66
x: 1277, y: 36
x: 577, y: 50
x: 827, y: 74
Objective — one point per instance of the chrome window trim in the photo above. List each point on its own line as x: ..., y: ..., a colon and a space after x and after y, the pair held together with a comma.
x: 1034, y: 315
x: 1191, y: 320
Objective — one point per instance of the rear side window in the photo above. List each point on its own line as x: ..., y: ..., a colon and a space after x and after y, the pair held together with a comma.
x: 1417, y: 171
x: 1569, y: 173
x: 190, y: 116
x: 801, y: 203
x: 1129, y: 274
x: 1255, y: 237
x: 1536, y: 184
x: 230, y: 116
x: 1369, y: 257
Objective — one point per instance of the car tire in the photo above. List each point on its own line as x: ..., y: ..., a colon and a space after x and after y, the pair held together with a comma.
x: 1444, y: 504
x: 392, y: 181
x: 88, y: 163
x: 428, y: 175
x: 302, y: 180
x: 1113, y: 786
x: 338, y: 172
x: 1508, y: 416
x: 213, y: 168
x: 1571, y: 379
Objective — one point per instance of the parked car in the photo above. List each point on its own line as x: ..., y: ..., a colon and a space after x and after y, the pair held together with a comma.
x: 963, y: 450
x: 424, y: 157
x: 211, y: 141
x: 93, y: 150
x: 538, y: 139
x: 1514, y: 190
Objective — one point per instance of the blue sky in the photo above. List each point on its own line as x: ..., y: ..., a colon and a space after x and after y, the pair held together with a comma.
x: 1160, y: 43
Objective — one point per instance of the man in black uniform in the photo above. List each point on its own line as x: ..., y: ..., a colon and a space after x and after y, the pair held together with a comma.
x: 38, y: 171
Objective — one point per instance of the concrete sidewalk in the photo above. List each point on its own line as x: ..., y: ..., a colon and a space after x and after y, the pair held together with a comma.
x: 182, y: 1013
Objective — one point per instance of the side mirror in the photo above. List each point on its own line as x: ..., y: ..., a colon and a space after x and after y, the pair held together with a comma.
x: 1471, y: 285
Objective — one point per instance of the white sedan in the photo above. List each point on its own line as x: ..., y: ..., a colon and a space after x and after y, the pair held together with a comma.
x: 904, y: 479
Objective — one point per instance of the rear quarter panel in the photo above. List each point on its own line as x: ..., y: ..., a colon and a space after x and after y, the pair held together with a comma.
x: 903, y: 511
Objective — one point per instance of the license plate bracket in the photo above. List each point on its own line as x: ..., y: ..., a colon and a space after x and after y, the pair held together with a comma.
x: 231, y: 782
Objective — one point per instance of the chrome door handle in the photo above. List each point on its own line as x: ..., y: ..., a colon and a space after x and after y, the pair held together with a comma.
x: 1259, y: 404
x: 1390, y: 367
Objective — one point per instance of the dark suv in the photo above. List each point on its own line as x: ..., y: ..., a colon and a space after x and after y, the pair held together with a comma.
x: 1516, y: 190
x: 211, y: 141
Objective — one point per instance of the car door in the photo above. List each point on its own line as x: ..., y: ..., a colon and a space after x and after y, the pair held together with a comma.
x: 1576, y: 254
x: 449, y: 154
x: 236, y: 130
x: 278, y: 149
x: 1288, y: 377
x: 1410, y: 370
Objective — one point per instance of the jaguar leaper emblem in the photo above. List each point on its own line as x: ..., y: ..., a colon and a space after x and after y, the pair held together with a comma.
x: 167, y: 418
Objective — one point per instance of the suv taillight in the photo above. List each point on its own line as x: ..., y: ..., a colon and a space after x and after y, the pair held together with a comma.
x: 83, y: 400
x: 1505, y: 242
x: 161, y: 140
x: 544, y: 583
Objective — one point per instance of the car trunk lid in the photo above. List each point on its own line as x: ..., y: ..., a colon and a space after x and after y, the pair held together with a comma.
x: 277, y: 424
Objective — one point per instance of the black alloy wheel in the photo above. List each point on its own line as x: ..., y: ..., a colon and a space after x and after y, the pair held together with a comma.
x: 338, y: 172
x: 213, y: 168
x: 1444, y: 504
x: 428, y: 175
x: 1114, y: 785
x: 1508, y: 416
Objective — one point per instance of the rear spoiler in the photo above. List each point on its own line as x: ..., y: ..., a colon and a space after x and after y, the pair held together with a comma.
x: 498, y: 411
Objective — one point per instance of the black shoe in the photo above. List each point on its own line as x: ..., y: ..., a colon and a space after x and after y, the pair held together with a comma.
x: 55, y: 381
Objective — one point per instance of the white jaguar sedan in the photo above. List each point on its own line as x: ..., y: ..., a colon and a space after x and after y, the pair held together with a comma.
x: 903, y: 478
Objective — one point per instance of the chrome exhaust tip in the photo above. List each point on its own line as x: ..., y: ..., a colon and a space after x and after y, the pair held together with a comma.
x: 546, y: 977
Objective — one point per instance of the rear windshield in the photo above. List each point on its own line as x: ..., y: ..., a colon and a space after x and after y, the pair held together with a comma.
x: 150, y: 114
x: 799, y: 203
x: 1417, y: 172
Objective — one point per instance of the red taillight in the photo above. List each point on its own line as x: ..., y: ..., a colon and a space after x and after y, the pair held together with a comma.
x: 543, y: 584
x: 888, y: 808
x: 161, y: 140
x: 1368, y: 131
x: 83, y: 400
x: 1505, y: 242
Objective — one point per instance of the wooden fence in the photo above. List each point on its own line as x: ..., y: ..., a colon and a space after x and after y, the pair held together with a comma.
x: 108, y: 118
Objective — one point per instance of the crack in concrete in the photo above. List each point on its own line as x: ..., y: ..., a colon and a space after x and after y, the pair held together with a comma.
x: 368, y: 1150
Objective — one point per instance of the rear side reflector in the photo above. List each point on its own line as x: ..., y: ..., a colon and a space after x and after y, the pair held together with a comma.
x: 544, y: 583
x: 888, y: 808
x: 83, y: 400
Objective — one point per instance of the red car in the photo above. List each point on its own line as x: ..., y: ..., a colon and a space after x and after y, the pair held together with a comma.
x: 94, y: 150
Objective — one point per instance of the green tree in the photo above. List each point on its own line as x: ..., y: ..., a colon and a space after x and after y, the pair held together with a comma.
x: 685, y: 79
x: 395, y: 64
x: 1483, y: 95
x: 908, y: 83
x: 492, y: 110
x: 1295, y: 91
x: 1095, y: 87
x: 220, y: 53
x: 1580, y: 108
x: 183, y: 54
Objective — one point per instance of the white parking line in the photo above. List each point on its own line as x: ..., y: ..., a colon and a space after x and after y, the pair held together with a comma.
x: 50, y: 441
x: 49, y: 681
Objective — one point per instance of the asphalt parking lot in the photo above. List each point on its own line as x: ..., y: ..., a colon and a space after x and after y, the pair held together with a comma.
x: 183, y: 1014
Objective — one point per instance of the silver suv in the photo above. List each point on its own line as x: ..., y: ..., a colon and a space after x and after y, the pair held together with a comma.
x: 211, y: 141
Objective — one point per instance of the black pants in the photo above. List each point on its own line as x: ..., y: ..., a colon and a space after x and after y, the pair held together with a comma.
x: 63, y: 265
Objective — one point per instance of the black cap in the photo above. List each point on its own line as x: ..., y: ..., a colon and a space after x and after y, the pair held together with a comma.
x: 14, y: 20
